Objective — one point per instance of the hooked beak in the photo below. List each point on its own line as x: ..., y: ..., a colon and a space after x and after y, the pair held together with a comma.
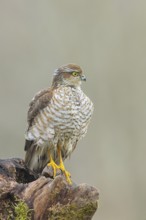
x: 83, y: 78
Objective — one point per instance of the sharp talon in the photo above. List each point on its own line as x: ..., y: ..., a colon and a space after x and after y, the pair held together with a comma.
x: 54, y: 167
x: 66, y: 173
x: 62, y: 167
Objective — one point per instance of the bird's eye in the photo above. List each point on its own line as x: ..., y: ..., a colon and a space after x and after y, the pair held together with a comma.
x: 75, y: 74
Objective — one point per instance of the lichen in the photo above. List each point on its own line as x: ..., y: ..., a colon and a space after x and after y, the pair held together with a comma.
x: 71, y: 211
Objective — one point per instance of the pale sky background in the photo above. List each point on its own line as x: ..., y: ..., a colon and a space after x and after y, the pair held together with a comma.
x: 108, y: 40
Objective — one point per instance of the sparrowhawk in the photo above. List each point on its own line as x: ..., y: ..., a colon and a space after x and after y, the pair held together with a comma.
x: 58, y: 117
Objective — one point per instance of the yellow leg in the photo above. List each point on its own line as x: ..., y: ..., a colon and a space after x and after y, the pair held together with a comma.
x: 53, y: 165
x: 62, y: 167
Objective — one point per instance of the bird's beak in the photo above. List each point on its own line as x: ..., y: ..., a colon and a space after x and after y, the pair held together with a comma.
x: 83, y: 78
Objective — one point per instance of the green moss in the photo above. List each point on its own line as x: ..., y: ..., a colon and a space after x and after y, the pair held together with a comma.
x: 14, y: 208
x: 72, y: 211
x: 22, y: 211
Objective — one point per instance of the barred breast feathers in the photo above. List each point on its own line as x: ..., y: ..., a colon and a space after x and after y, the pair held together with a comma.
x: 67, y: 110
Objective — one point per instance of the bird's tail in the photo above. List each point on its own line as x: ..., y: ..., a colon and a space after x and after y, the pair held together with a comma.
x: 36, y: 158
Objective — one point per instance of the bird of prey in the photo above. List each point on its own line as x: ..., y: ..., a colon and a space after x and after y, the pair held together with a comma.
x: 58, y: 117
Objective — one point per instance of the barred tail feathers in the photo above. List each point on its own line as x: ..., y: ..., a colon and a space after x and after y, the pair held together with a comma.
x: 36, y: 157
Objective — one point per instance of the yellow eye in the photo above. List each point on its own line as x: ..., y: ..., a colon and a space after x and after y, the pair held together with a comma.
x: 75, y: 74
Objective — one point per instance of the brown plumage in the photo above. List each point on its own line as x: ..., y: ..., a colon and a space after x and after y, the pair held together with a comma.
x: 58, y: 118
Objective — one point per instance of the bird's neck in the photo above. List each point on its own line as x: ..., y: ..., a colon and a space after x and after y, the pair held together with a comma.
x: 55, y: 86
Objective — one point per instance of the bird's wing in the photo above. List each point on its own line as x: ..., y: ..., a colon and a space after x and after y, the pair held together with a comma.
x: 40, y: 101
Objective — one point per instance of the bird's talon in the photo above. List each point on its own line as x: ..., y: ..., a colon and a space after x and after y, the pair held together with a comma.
x: 54, y: 167
x: 67, y: 175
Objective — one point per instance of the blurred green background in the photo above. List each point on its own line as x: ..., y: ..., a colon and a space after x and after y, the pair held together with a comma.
x: 108, y: 40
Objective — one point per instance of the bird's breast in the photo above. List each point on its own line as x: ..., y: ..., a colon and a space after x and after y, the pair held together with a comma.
x: 68, y: 114
x: 72, y: 109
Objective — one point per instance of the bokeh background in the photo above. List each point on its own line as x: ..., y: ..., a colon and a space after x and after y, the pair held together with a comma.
x: 108, y: 40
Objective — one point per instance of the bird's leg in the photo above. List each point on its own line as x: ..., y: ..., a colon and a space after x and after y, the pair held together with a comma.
x: 62, y: 167
x: 53, y: 164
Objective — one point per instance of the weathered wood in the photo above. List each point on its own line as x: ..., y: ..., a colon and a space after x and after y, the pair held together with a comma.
x: 25, y: 196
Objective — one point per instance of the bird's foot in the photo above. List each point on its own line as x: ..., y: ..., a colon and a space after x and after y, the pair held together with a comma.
x: 66, y: 173
x: 54, y: 166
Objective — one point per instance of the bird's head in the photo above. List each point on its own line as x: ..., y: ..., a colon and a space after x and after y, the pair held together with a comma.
x: 68, y: 75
